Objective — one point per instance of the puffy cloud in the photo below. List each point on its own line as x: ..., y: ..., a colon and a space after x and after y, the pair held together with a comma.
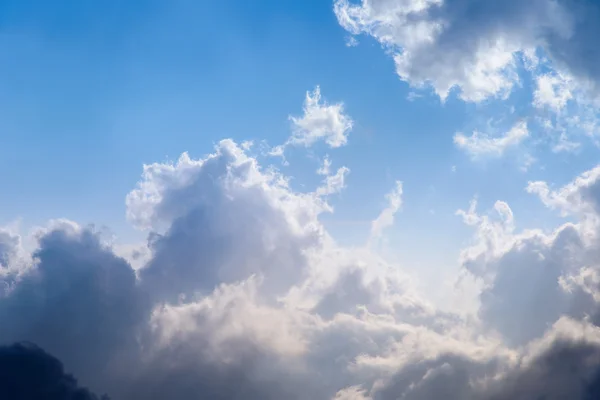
x: 28, y: 372
x: 475, y: 45
x: 480, y: 145
x: 227, y: 220
x: 532, y: 278
x: 242, y: 293
x: 552, y: 91
x: 320, y: 122
x: 242, y: 284
x: 470, y: 45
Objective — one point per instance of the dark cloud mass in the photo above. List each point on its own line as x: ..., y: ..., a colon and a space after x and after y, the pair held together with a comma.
x: 28, y: 372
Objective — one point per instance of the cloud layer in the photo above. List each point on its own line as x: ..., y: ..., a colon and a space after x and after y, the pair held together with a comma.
x: 245, y: 295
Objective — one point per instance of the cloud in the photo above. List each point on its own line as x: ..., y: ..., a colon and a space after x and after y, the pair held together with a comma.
x: 386, y: 218
x: 532, y: 278
x: 480, y: 145
x: 552, y: 91
x: 9, y: 244
x: 28, y: 372
x: 78, y: 301
x: 245, y: 295
x: 320, y: 122
x: 475, y: 46
x: 242, y: 293
x: 580, y: 197
x: 242, y: 284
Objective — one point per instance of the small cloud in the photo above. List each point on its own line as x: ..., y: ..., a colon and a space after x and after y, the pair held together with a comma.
x: 351, y: 41
x: 320, y: 122
x: 412, y: 96
x: 386, y: 218
x: 479, y: 144
x: 247, y: 145
x: 325, y: 169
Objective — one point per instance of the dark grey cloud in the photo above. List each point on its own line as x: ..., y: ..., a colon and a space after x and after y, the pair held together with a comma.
x: 80, y: 303
x: 567, y: 370
x: 29, y: 373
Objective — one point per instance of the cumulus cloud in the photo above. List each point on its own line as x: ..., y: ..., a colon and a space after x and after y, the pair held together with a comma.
x: 480, y: 145
x: 475, y: 46
x: 320, y: 122
x: 532, y: 278
x: 243, y: 294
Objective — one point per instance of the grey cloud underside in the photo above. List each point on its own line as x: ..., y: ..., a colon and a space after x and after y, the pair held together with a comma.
x: 236, y: 242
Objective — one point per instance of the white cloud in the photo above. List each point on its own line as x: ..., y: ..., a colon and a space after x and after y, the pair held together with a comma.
x: 320, y: 122
x: 326, y: 167
x: 579, y: 197
x: 475, y: 46
x: 386, y: 218
x: 333, y: 183
x: 479, y: 144
x: 552, y: 91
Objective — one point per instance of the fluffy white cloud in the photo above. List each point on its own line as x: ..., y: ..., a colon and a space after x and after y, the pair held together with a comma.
x: 475, y: 45
x: 552, y: 91
x: 320, y: 122
x: 479, y: 144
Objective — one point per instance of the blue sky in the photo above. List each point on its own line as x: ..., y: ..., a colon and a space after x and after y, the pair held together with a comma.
x: 379, y: 199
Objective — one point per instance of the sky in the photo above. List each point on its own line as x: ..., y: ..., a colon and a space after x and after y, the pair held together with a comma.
x: 404, y: 193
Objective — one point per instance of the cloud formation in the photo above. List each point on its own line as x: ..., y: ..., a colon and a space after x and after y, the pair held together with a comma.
x: 244, y: 294
x: 476, y: 46
x: 480, y: 145
x: 320, y: 122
